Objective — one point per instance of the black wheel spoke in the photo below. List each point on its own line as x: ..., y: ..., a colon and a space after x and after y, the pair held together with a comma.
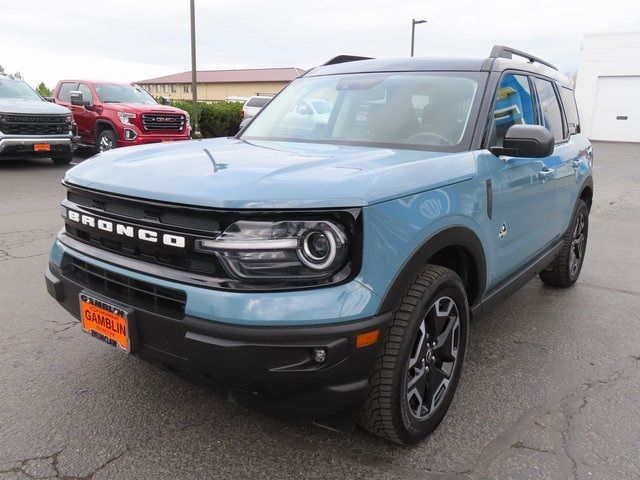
x: 437, y: 381
x: 446, y: 347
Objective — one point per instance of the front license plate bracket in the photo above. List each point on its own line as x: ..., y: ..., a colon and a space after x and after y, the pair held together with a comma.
x: 109, y: 321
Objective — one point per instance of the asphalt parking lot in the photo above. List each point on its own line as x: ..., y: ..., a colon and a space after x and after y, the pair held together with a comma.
x: 551, y: 388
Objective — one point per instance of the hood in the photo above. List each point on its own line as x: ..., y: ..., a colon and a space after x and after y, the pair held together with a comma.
x: 232, y: 173
x: 141, y: 108
x: 31, y: 107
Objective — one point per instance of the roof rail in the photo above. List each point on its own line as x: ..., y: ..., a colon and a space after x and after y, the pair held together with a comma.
x: 501, y: 51
x: 344, y: 59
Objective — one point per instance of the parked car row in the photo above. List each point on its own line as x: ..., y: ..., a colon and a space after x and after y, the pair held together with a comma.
x: 98, y: 115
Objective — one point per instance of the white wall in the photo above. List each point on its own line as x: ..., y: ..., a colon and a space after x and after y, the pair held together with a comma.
x: 604, y: 55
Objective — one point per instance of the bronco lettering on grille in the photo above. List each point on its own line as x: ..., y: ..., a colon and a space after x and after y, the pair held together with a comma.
x: 129, y: 231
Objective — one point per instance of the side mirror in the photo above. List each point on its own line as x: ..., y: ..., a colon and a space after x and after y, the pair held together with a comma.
x: 76, y: 98
x: 532, y: 141
x: 165, y: 101
x: 50, y: 99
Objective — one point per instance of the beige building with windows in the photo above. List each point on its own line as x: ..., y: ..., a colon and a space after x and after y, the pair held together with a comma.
x: 218, y: 85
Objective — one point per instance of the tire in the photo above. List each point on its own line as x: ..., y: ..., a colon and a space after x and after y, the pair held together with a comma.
x: 395, y: 409
x: 565, y: 269
x: 62, y: 160
x: 107, y: 140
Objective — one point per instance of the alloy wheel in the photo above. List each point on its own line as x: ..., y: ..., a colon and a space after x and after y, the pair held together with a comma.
x: 433, y: 358
x: 106, y: 143
x: 577, y: 245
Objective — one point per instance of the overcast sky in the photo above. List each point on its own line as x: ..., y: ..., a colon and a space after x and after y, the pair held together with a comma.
x: 128, y: 40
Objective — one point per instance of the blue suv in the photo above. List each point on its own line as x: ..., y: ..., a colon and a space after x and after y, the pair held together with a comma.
x: 324, y: 263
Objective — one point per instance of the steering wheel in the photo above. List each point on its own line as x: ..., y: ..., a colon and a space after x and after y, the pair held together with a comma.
x: 443, y: 140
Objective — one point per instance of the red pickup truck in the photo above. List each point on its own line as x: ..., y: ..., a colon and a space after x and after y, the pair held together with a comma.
x: 112, y: 115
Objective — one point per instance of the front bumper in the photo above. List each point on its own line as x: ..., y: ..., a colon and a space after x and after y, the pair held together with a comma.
x: 147, y: 139
x: 22, y: 147
x: 267, y: 368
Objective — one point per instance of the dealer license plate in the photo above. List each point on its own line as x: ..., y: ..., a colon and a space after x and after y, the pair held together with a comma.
x: 105, y: 321
x: 42, y: 147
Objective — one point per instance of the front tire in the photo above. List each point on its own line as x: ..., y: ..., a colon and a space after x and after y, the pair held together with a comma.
x: 107, y: 140
x: 420, y: 360
x: 565, y: 269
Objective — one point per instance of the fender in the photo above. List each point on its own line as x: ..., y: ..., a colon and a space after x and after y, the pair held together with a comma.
x: 588, y: 183
x: 104, y: 121
x: 449, y: 237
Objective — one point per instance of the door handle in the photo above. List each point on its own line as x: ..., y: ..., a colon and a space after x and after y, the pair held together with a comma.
x: 545, y: 174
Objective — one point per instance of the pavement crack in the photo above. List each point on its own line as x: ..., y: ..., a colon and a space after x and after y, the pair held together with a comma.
x: 568, y: 407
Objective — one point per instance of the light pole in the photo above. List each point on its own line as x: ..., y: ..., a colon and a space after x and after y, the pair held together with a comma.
x: 194, y: 84
x: 414, y: 22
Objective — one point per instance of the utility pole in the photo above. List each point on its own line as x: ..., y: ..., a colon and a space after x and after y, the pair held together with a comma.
x: 194, y: 81
x: 414, y: 22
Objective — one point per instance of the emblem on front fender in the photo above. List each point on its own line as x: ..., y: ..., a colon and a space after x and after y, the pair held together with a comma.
x: 503, y: 231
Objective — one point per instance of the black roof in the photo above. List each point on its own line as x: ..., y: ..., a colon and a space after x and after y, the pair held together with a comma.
x: 500, y: 60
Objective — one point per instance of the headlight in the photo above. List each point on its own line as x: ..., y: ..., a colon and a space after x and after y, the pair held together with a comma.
x: 125, y: 117
x: 69, y: 118
x: 282, y: 250
x: 188, y: 118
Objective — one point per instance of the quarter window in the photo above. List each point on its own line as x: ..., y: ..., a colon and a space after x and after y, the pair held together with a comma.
x: 570, y: 110
x: 550, y: 108
x: 514, y: 105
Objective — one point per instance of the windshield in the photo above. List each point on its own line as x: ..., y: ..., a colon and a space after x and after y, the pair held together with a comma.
x: 112, y: 93
x: 17, y: 89
x: 425, y: 110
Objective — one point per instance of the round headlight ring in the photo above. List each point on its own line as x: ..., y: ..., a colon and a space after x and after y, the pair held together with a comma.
x: 310, y: 259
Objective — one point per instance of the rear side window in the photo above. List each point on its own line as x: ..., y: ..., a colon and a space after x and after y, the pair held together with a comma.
x: 65, y: 89
x: 258, y: 102
x: 550, y: 108
x: 570, y: 110
x: 514, y: 105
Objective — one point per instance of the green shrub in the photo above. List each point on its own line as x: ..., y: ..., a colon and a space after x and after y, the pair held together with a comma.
x: 220, y: 119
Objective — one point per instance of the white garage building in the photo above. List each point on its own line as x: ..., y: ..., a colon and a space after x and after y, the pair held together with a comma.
x: 608, y: 87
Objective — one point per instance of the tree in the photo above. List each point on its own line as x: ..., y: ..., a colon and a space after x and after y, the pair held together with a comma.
x: 1, y: 70
x: 43, y: 90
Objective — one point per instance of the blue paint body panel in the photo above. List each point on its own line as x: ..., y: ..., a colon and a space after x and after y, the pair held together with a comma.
x: 406, y: 197
x: 234, y: 174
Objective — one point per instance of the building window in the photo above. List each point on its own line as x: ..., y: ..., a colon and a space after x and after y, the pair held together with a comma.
x: 174, y: 88
x: 166, y: 88
x: 187, y: 88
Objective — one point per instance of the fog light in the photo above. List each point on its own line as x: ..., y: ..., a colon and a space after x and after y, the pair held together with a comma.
x: 319, y: 355
x: 129, y: 134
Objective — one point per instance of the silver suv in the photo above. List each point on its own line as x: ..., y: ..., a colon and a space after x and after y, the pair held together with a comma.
x: 252, y: 107
x: 31, y: 127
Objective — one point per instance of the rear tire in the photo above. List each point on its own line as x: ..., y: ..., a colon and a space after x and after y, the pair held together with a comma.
x: 107, y: 140
x: 565, y: 269
x: 62, y: 160
x: 414, y: 381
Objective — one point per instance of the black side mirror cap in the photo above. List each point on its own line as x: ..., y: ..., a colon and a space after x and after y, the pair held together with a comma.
x: 531, y: 141
x: 50, y: 99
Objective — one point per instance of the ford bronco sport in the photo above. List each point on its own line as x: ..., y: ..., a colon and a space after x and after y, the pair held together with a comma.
x: 31, y: 127
x: 328, y: 270
x: 111, y: 115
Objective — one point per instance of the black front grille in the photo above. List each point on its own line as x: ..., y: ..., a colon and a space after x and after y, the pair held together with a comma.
x: 34, y: 125
x: 162, y: 121
x: 147, y: 296
x: 186, y: 222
